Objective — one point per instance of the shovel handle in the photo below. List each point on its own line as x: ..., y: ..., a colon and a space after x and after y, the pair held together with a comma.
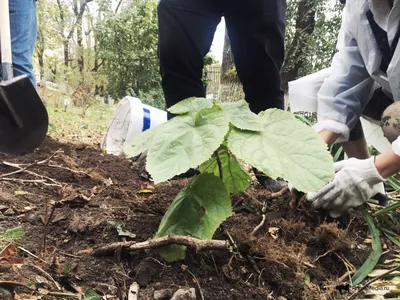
x: 5, y: 35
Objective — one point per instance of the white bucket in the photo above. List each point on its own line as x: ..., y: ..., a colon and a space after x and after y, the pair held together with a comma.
x: 131, y: 118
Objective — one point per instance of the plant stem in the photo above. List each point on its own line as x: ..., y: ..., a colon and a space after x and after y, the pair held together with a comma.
x: 219, y: 164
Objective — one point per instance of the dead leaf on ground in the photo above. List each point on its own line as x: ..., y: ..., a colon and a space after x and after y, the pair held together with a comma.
x: 121, y: 231
x: 21, y: 193
x: 97, y: 189
x: 26, y: 209
x: 77, y: 199
x: 8, y: 255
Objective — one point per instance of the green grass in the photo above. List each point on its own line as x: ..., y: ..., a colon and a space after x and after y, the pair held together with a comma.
x: 81, y: 124
x: 10, y: 236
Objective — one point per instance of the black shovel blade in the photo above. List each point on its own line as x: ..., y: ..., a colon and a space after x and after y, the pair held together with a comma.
x: 23, y: 117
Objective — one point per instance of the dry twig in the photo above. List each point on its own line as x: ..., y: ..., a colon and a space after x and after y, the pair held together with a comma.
x: 59, y: 294
x: 258, y: 227
x: 44, y: 237
x: 71, y: 170
x: 29, y: 181
x: 5, y: 177
x: 33, y: 255
x: 199, y: 245
x: 278, y: 194
x: 48, y: 276
x: 198, y: 284
x: 253, y: 199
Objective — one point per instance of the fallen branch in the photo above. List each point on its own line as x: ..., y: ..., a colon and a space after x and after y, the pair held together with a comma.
x: 199, y: 245
x: 354, y: 295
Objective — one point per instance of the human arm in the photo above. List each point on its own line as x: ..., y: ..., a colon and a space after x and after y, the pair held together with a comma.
x: 388, y: 163
x: 347, y: 90
x: 356, y: 181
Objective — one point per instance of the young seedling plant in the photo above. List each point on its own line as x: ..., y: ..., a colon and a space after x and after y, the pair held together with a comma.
x: 215, y: 136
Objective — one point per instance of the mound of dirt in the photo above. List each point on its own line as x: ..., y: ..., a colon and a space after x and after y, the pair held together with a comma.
x: 66, y: 198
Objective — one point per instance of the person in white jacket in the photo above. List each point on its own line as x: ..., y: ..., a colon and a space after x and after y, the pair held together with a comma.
x: 365, y: 80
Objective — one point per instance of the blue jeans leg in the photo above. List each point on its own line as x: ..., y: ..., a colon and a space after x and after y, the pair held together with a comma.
x: 23, y: 23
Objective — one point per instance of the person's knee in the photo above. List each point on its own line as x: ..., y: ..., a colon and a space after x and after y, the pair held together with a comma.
x: 390, y: 122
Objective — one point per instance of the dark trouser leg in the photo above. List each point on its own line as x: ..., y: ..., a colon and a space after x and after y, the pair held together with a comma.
x: 256, y: 30
x: 186, y: 31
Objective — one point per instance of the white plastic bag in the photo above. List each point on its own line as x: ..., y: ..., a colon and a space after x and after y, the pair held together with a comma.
x: 302, y: 97
x: 131, y: 117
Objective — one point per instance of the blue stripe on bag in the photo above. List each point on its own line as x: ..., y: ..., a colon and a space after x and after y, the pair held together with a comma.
x: 146, y: 119
x: 146, y: 125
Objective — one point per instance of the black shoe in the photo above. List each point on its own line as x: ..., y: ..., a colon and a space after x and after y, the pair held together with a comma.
x: 188, y: 174
x: 268, y: 182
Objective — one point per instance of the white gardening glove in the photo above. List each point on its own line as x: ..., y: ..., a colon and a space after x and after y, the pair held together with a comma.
x: 356, y: 181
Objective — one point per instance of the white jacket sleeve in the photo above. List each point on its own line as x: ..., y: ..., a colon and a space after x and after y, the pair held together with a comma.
x: 346, y: 91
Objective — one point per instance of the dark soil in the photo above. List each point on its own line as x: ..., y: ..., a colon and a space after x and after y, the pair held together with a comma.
x: 296, y: 254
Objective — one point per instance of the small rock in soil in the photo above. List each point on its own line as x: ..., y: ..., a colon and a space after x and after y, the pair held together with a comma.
x: 31, y: 219
x: 162, y: 294
x: 184, y: 294
x: 146, y: 271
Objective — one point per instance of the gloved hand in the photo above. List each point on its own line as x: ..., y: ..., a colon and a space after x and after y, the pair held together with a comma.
x: 356, y: 181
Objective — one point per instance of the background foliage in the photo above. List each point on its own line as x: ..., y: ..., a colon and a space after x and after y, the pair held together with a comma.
x: 108, y: 48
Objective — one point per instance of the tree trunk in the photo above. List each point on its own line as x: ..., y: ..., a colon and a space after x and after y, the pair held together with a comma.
x: 66, y: 51
x: 81, y: 62
x: 228, y: 65
x: 295, y: 56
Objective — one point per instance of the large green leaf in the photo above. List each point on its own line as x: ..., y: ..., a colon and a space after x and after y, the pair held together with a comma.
x: 186, y: 142
x: 190, y: 105
x: 142, y: 142
x: 234, y: 177
x: 198, y: 210
x: 241, y: 117
x: 285, y: 148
